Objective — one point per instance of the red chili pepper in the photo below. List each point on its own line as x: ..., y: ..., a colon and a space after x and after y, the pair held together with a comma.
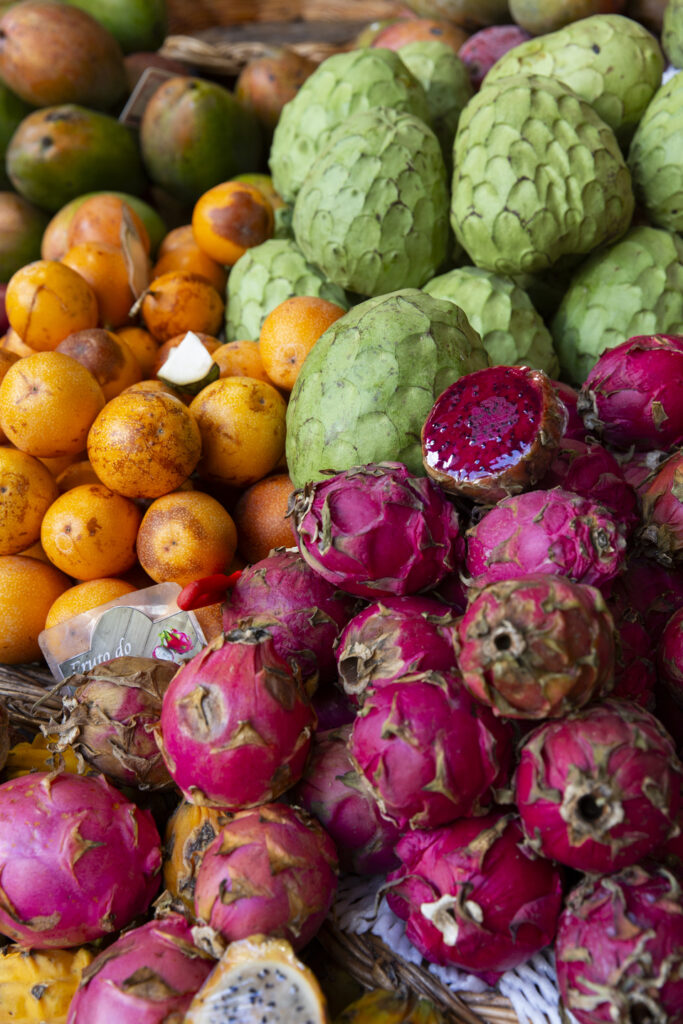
x: 208, y: 590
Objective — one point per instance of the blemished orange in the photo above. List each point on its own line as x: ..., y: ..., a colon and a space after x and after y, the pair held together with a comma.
x: 290, y: 331
x: 28, y: 589
x: 13, y: 345
x: 242, y: 425
x: 83, y: 597
x: 6, y: 360
x: 107, y: 356
x: 105, y: 269
x: 27, y: 489
x: 178, y: 302
x: 195, y: 261
x: 76, y: 474
x: 231, y: 218
x: 105, y: 218
x: 89, y: 532
x: 144, y: 444
x: 143, y: 346
x: 240, y: 359
x: 46, y: 301
x: 176, y: 238
x: 184, y: 536
x: 260, y: 517
x: 48, y: 402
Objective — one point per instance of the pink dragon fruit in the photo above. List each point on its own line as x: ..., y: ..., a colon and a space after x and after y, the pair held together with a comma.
x: 588, y: 469
x: 633, y: 396
x: 302, y: 611
x: 551, y: 531
x: 639, y: 468
x: 493, y: 432
x: 77, y: 860
x: 148, y: 975
x: 634, y: 670
x: 271, y: 871
x: 430, y: 752
x: 377, y: 530
x: 332, y: 709
x: 452, y: 591
x: 342, y: 801
x: 481, y: 51
x: 599, y: 789
x: 663, y: 512
x: 670, y: 656
x: 575, y: 430
x: 392, y: 638
x: 619, y: 948
x: 536, y: 647
x: 236, y: 723
x: 474, y: 896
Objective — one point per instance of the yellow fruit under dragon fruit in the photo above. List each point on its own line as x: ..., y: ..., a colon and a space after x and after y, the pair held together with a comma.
x: 382, y: 1007
x: 37, y: 987
x: 37, y: 757
x: 190, y: 829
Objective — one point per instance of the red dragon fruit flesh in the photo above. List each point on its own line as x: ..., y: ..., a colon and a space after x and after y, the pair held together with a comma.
x: 633, y: 396
x: 270, y: 871
x: 663, y: 512
x: 670, y: 656
x: 394, y: 637
x: 377, y: 530
x: 481, y: 51
x: 342, y: 801
x: 599, y: 790
x: 77, y: 860
x: 588, y: 469
x: 619, y: 948
x: 147, y: 976
x: 551, y: 531
x: 474, y: 896
x: 493, y: 432
x: 536, y: 647
x: 429, y: 750
x: 236, y: 723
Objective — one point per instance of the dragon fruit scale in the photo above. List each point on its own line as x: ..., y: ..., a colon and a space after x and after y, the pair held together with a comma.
x: 599, y: 790
x: 663, y: 511
x: 271, y: 870
x: 377, y: 530
x: 536, y: 647
x: 148, y: 975
x: 619, y: 948
x: 474, y: 896
x: 236, y: 723
x: 588, y: 469
x: 77, y: 860
x: 429, y: 750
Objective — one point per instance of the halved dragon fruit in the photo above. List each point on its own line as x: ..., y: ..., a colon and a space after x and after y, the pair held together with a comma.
x: 271, y: 870
x: 619, y: 948
x: 633, y: 396
x: 377, y: 530
x: 429, y: 750
x: 599, y: 790
x: 236, y: 722
x: 588, y: 469
x: 536, y: 647
x: 392, y: 638
x: 77, y: 860
x: 493, y: 432
x: 551, y: 531
x: 670, y: 656
x: 146, y: 976
x: 663, y: 511
x: 474, y: 896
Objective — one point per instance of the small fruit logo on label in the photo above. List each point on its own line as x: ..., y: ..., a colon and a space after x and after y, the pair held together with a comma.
x: 172, y: 645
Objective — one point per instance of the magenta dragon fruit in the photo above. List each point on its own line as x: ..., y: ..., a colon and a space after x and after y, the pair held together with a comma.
x: 599, y: 789
x: 377, y: 530
x: 429, y: 750
x: 302, y: 611
x: 619, y: 948
x: 481, y: 51
x: 639, y: 468
x: 77, y: 860
x: 474, y: 896
x: 392, y: 638
x: 332, y: 709
x: 633, y: 396
x: 536, y: 647
x: 148, y: 975
x: 236, y: 723
x: 493, y: 432
x: 653, y: 590
x: 663, y: 511
x: 342, y: 801
x: 271, y: 871
x: 670, y: 656
x: 575, y: 430
x: 588, y: 469
x: 453, y: 592
x: 554, y: 532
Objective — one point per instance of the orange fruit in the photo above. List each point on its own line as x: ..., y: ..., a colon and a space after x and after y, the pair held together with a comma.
x: 28, y: 589
x: 106, y: 218
x: 6, y: 360
x: 46, y: 301
x: 48, y: 402
x: 231, y: 218
x: 90, y: 532
x: 85, y: 596
x: 59, y: 463
x: 242, y: 425
x: 210, y: 343
x: 154, y: 385
x: 240, y: 359
x: 77, y: 473
x: 195, y: 261
x: 184, y: 536
x: 27, y: 489
x: 290, y: 331
x: 108, y: 358
x: 13, y: 345
x: 105, y: 269
x: 178, y: 302
x: 144, y: 444
x: 264, y: 183
x: 35, y: 551
x: 176, y: 239
x: 143, y: 346
x: 260, y: 517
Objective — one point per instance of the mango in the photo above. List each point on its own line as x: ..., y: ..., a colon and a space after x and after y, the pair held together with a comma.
x: 21, y: 230
x: 54, y: 243
x: 135, y: 24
